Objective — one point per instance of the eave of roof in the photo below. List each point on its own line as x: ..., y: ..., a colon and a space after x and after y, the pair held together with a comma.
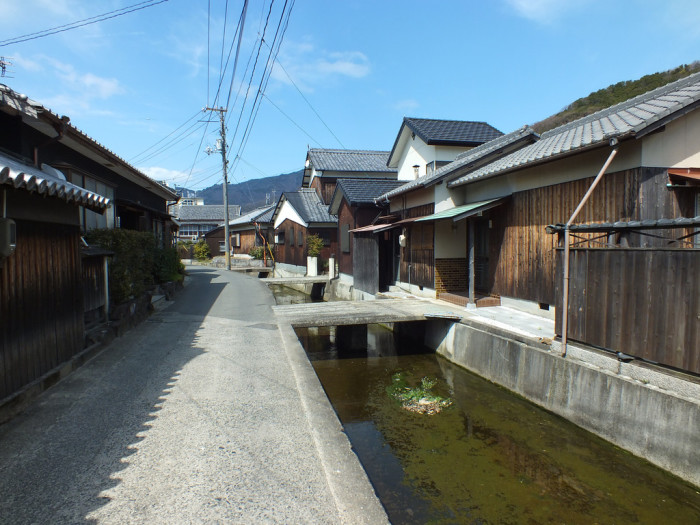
x: 33, y: 180
x: 480, y: 155
x: 45, y: 121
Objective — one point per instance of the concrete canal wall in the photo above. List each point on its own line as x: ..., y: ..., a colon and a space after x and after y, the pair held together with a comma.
x: 651, y: 413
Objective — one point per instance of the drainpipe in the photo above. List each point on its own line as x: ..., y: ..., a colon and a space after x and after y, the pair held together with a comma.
x: 565, y: 298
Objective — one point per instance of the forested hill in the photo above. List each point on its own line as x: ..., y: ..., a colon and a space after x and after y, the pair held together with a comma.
x: 251, y: 194
x: 614, y: 94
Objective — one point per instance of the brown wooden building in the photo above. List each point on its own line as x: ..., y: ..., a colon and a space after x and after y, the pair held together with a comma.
x: 41, y: 283
x: 298, y: 214
x: 247, y: 231
x: 353, y: 202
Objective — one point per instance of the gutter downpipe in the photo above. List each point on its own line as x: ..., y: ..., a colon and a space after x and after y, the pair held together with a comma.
x: 565, y: 298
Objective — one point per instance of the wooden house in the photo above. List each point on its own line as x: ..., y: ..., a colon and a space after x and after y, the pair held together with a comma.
x: 296, y: 215
x: 354, y: 203
x: 247, y: 231
x: 323, y: 168
x: 35, y: 134
x: 42, y: 281
x: 422, y: 152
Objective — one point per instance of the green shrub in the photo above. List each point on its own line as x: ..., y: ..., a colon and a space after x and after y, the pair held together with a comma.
x: 167, y: 265
x: 137, y: 263
x: 314, y: 245
x: 202, y: 251
x: 256, y: 252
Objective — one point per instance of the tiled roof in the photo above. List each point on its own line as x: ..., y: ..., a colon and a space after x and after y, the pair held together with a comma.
x: 208, y: 212
x: 480, y: 154
x: 350, y: 160
x: 265, y: 216
x: 634, y: 117
x: 309, y: 206
x: 434, y: 131
x: 364, y: 191
x: 34, y: 109
x: 29, y: 178
x: 253, y: 216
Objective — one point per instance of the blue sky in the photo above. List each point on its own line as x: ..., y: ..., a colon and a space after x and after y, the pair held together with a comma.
x: 130, y: 81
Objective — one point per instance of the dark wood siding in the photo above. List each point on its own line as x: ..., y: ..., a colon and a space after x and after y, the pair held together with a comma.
x: 292, y: 253
x: 642, y: 302
x: 522, y: 253
x: 41, y: 304
x: 366, y: 257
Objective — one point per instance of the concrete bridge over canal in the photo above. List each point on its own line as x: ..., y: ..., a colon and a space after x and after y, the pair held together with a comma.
x: 342, y: 313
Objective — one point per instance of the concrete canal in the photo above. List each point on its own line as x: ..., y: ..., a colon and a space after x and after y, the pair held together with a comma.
x: 488, y: 457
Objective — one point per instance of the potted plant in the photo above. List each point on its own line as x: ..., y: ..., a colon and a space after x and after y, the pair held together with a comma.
x: 314, y: 245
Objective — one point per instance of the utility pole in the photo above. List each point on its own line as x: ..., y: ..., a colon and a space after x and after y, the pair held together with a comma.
x: 222, y: 148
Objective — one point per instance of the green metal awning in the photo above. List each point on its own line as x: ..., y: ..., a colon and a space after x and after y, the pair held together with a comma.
x: 462, y: 212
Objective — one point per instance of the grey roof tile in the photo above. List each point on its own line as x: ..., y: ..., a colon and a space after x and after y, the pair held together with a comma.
x: 350, y: 160
x: 208, y: 212
x: 364, y: 191
x: 435, y: 131
x: 631, y: 117
x: 309, y: 206
x: 34, y: 180
x: 253, y: 216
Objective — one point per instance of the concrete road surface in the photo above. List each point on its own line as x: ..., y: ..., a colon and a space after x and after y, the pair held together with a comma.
x: 208, y: 412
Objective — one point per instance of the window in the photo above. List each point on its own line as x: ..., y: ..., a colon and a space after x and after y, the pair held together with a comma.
x: 235, y: 240
x: 291, y: 237
x: 300, y: 238
x: 279, y: 238
x: 345, y: 238
x: 222, y: 246
x: 325, y: 237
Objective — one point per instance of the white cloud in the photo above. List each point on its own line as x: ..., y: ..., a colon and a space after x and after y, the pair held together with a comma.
x: 406, y: 105
x: 309, y: 66
x: 544, y: 11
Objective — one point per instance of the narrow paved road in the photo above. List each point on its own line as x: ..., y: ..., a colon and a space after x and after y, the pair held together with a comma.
x: 197, y: 415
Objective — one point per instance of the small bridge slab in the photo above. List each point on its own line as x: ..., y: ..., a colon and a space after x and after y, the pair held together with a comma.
x: 297, y: 280
x: 342, y: 313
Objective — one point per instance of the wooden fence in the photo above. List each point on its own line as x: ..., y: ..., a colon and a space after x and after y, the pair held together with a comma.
x: 642, y: 302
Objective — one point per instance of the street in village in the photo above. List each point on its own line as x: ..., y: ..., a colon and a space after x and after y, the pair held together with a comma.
x: 200, y: 414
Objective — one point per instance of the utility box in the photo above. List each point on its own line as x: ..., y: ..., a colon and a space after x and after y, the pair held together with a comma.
x: 8, y: 237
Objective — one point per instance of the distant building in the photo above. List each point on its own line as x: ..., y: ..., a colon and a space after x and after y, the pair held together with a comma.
x: 197, y: 219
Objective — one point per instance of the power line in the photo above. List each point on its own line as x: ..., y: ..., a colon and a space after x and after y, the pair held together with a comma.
x: 132, y: 159
x: 291, y: 120
x: 307, y: 101
x: 81, y: 23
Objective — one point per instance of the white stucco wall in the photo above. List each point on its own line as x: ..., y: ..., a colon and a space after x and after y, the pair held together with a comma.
x: 288, y: 212
x: 678, y: 146
x: 416, y: 152
x: 450, y: 239
x: 411, y: 200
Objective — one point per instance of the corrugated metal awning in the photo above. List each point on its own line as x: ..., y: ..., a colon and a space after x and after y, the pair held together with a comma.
x: 376, y: 228
x: 462, y: 212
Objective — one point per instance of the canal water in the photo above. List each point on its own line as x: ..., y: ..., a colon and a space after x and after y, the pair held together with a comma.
x: 490, y: 457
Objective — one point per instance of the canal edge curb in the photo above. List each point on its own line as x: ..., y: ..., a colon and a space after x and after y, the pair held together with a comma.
x: 352, y: 490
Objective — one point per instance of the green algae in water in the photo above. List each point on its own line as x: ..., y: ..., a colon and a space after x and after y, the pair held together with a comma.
x: 493, y: 457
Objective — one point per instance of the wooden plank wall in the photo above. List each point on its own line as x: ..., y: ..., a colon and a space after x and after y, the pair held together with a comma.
x: 642, y: 302
x: 366, y: 262
x: 419, y: 252
x: 522, y: 253
x: 41, y: 304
